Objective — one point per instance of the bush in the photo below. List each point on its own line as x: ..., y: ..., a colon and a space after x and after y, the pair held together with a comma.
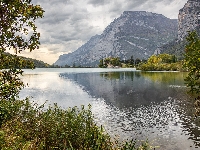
x: 162, y: 62
x: 34, y: 128
x: 29, y: 126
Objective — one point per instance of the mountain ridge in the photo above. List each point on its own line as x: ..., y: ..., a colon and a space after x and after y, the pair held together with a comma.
x: 137, y: 33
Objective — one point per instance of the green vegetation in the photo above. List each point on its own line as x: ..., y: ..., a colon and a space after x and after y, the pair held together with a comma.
x: 25, y: 62
x: 15, y: 62
x: 161, y: 62
x: 192, y: 64
x: 37, y: 63
x: 29, y: 127
x: 112, y: 62
x: 24, y: 125
x: 18, y: 32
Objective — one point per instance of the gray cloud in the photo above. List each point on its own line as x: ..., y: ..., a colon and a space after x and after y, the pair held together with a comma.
x: 67, y: 24
x: 98, y: 2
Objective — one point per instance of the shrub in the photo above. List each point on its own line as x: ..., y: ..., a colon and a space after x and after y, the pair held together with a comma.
x: 29, y: 126
x: 53, y: 128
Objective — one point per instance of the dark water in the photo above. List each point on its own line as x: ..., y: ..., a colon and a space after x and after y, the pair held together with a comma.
x: 129, y: 104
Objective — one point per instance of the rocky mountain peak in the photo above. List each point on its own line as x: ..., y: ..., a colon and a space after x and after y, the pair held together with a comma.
x: 134, y: 33
x: 188, y: 18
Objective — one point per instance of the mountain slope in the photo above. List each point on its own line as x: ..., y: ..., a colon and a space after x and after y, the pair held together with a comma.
x: 80, y: 54
x: 136, y: 33
x: 188, y: 20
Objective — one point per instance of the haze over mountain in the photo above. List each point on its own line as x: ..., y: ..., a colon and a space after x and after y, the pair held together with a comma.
x: 137, y: 33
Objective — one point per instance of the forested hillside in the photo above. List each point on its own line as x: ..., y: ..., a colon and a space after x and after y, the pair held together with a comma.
x: 28, y: 61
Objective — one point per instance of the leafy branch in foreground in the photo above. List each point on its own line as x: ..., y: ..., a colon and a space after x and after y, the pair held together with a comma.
x: 192, y: 64
x: 18, y: 32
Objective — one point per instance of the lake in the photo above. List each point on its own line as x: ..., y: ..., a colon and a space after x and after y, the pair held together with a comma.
x: 128, y: 103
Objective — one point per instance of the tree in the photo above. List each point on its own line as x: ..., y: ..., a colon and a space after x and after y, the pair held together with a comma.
x: 154, y: 60
x: 166, y: 58
x: 115, y: 61
x: 174, y: 59
x: 67, y: 66
x: 192, y: 62
x: 74, y: 65
x: 18, y: 33
x: 132, y: 61
x: 160, y: 62
x: 101, y: 65
x: 137, y: 61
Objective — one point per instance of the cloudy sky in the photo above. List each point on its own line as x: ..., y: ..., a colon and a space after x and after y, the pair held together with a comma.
x: 68, y: 24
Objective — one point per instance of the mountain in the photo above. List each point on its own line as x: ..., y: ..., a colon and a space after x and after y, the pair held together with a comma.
x: 175, y: 47
x: 188, y: 20
x: 137, y: 33
x: 81, y: 54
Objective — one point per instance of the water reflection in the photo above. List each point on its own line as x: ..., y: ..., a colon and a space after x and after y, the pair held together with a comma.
x: 143, y: 105
x: 128, y: 89
x: 48, y: 87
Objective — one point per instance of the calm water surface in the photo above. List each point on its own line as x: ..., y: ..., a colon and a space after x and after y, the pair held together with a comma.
x: 129, y: 104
